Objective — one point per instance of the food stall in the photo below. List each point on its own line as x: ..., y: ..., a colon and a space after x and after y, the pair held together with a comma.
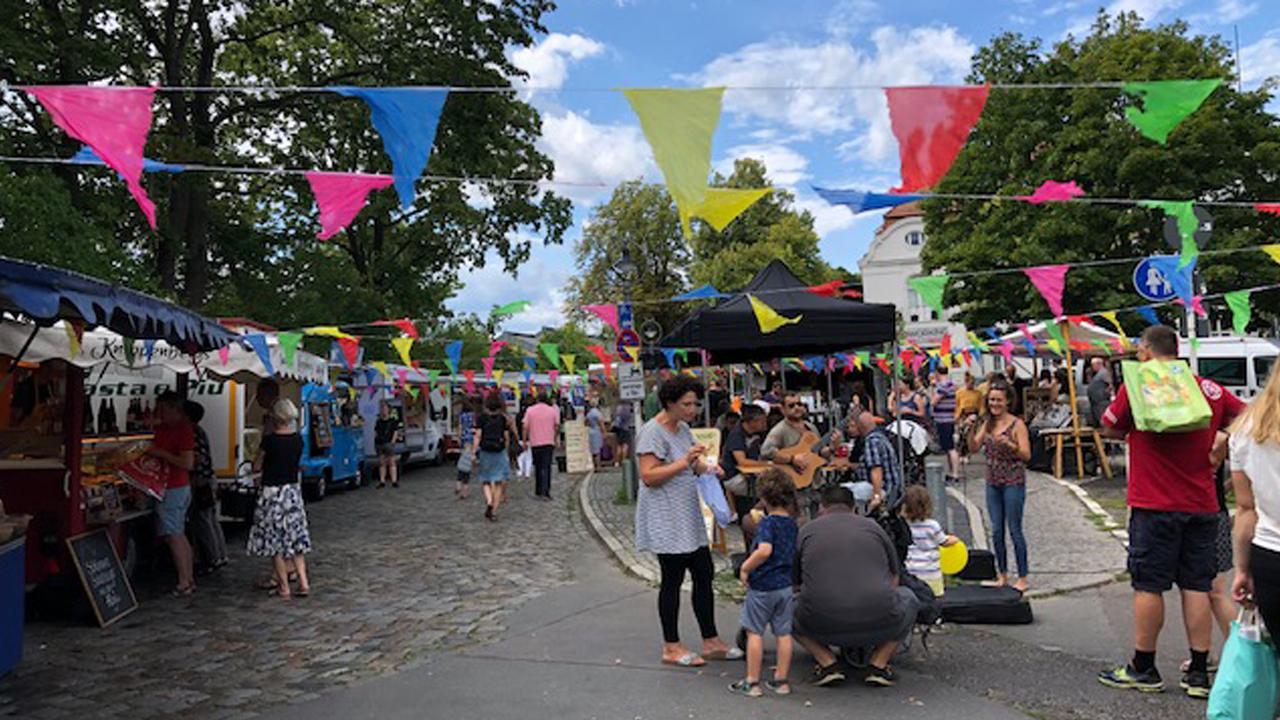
x: 423, y: 412
x: 332, y: 438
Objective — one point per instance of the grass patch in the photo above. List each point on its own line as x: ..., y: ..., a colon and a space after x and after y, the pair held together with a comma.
x: 1101, y: 521
x: 727, y: 585
x: 620, y: 495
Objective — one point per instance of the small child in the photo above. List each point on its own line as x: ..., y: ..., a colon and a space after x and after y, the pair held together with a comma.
x: 466, y: 428
x: 767, y: 575
x: 926, y: 538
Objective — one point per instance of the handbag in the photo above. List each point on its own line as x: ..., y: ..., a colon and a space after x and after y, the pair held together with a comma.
x: 1246, y: 685
x: 713, y: 496
x: 1165, y: 397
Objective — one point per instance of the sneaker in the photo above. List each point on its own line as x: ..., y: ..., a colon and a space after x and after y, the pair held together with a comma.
x: 750, y: 689
x: 1196, y: 684
x: 884, y: 677
x: 1126, y: 678
x: 829, y: 675
x: 1186, y: 666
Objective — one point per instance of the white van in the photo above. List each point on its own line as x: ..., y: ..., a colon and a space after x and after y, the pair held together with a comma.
x: 1240, y: 364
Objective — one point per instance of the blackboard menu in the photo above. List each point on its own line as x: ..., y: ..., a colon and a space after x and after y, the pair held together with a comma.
x: 321, y: 430
x: 105, y: 581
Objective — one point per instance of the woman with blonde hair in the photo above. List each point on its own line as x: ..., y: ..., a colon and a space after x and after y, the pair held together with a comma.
x: 1255, y: 475
x: 279, y: 528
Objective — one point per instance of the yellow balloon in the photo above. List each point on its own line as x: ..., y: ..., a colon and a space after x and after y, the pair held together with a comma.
x: 953, y: 558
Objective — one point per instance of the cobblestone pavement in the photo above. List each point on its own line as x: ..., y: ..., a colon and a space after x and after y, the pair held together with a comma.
x: 397, y: 576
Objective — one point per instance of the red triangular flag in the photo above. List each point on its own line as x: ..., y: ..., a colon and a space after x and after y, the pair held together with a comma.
x: 944, y: 345
x: 931, y: 124
x: 488, y: 366
x: 350, y: 350
x: 1269, y: 208
x: 470, y: 375
x: 1050, y: 280
x: 341, y: 196
x: 829, y: 289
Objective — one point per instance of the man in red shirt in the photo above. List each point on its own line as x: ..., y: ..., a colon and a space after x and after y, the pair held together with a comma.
x: 1172, y: 524
x: 174, y: 444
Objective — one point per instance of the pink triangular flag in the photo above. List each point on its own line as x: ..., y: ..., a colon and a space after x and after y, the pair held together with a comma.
x: 403, y: 374
x: 555, y: 377
x: 1053, y: 191
x: 224, y: 353
x: 470, y: 375
x: 607, y: 313
x: 488, y: 365
x: 1050, y: 280
x: 1197, y: 306
x: 496, y: 346
x: 113, y: 121
x: 341, y: 196
x: 1006, y: 349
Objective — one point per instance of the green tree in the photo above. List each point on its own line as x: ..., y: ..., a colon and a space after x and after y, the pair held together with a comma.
x: 770, y: 228
x: 1226, y: 150
x: 245, y: 244
x: 641, y: 220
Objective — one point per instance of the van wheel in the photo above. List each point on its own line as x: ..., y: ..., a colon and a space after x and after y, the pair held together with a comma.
x: 315, y: 491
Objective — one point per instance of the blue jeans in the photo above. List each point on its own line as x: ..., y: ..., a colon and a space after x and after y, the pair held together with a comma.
x: 1004, y: 507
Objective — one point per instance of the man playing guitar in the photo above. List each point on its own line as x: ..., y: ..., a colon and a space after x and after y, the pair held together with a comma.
x: 791, y: 442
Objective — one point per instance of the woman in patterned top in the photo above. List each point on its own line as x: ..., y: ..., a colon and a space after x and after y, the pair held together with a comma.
x: 669, y: 520
x: 1003, y: 437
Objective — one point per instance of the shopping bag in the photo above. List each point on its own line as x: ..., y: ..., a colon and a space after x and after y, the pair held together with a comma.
x: 1165, y: 397
x: 148, y: 473
x: 1247, y: 682
x: 465, y: 459
x: 524, y: 463
x: 713, y: 496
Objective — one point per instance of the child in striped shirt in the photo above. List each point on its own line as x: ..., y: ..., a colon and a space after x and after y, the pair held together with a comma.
x: 926, y: 537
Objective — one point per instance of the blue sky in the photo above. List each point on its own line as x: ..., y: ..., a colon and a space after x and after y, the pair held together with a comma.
x: 822, y: 137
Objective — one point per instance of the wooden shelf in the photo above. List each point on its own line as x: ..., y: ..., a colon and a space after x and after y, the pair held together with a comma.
x: 116, y: 439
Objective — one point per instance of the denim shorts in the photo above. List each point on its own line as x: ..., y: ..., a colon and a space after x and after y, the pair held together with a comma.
x: 768, y: 608
x: 171, y: 512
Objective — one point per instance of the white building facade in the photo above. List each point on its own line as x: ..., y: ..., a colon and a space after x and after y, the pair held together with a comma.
x: 893, y: 257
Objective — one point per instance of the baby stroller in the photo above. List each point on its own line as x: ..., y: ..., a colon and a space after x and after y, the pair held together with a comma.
x: 915, y: 446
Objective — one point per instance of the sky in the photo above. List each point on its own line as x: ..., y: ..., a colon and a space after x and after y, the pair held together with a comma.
x: 823, y: 137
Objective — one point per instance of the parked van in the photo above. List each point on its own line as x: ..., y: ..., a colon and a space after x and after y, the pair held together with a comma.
x: 332, y: 447
x: 1240, y: 364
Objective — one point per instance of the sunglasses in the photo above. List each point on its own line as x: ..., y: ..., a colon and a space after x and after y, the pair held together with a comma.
x: 794, y: 404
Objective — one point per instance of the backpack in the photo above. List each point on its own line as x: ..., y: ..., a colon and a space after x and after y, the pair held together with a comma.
x: 493, y: 433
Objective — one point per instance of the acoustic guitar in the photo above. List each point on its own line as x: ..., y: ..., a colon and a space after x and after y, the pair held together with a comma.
x: 782, y: 461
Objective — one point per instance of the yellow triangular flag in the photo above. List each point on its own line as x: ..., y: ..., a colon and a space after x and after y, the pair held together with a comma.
x: 327, y: 331
x: 678, y: 125
x: 568, y: 359
x: 946, y: 360
x: 402, y: 346
x: 633, y: 351
x: 768, y: 318
x: 722, y: 205
x: 497, y: 376
x: 1273, y: 251
x: 382, y: 368
x: 1110, y: 316
x: 72, y: 337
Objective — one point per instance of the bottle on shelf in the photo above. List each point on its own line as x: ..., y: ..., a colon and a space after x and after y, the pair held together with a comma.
x: 88, y: 427
x: 107, y: 423
x: 148, y: 418
x: 133, y: 416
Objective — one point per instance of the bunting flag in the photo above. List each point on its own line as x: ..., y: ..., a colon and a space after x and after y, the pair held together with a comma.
x: 74, y: 336
x: 633, y: 351
x: 670, y: 355
x: 607, y: 313
x: 603, y: 356
x: 884, y: 365
x: 552, y: 351
x: 497, y: 375
x: 1110, y: 317
x: 684, y: 355
x: 767, y: 318
x: 554, y: 377
x: 406, y: 119
x: 382, y: 369
x: 289, y: 342
x: 350, y: 350
x: 413, y: 391
x: 706, y: 292
x: 403, y: 345
x: 1177, y: 275
x: 859, y: 201
x: 1197, y: 306
x: 405, y: 324
x: 931, y: 124
x: 327, y: 331
x: 531, y: 363
x: 527, y: 374
x: 1006, y: 350
x: 511, y: 308
x: 454, y: 352
x: 864, y: 358
x: 432, y: 376
x: 569, y: 359
x: 930, y: 288
x: 258, y: 342
x: 944, y: 345
x: 978, y: 342
x: 1272, y: 251
x: 113, y: 121
x: 470, y: 376
x: 720, y: 206
x: 1165, y: 103
x: 496, y: 346
x: 341, y: 196
x: 1050, y: 280
x: 1053, y: 191
x: 1148, y: 313
x: 1184, y: 212
x: 487, y: 362
x: 1269, y: 208
x: 149, y: 350
x: 86, y: 156
x: 402, y: 374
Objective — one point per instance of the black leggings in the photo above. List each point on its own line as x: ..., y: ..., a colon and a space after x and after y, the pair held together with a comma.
x: 698, y: 563
x: 1265, y: 566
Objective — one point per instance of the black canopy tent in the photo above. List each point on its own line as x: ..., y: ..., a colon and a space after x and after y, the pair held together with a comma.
x: 730, y: 333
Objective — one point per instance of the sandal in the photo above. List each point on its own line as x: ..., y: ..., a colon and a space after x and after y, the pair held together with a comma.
x: 685, y: 660
x: 302, y: 592
x: 267, y: 584
x: 187, y: 591
x: 743, y: 687
x: 779, y: 687
x: 282, y: 594
x: 732, y: 653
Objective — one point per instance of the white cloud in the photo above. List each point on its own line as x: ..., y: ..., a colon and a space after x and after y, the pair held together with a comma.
x: 1229, y: 11
x: 1148, y: 10
x: 588, y: 152
x: 1261, y: 60
x: 850, y: 15
x: 541, y: 280
x: 548, y: 62
x: 924, y: 55
x: 827, y: 218
x: 784, y: 165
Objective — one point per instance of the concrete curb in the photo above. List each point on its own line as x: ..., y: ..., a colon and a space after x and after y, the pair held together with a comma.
x: 976, y: 523
x: 607, y: 536
x: 1117, y: 531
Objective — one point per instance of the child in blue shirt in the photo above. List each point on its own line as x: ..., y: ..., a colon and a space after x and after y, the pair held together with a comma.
x: 767, y: 575
x: 466, y: 428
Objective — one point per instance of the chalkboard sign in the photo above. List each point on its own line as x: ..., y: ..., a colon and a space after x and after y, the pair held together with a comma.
x: 321, y: 431
x: 103, y: 576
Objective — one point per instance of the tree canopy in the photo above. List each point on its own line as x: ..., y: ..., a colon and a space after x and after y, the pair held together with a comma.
x: 1226, y: 150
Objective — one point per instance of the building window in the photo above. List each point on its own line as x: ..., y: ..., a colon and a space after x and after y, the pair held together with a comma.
x: 915, y: 238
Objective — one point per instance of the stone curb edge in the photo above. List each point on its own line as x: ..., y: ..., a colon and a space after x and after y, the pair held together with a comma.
x: 976, y: 523
x: 606, y: 536
x: 1116, y: 530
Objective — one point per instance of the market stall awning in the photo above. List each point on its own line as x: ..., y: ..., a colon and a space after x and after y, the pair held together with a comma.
x: 48, y: 294
x: 729, y: 331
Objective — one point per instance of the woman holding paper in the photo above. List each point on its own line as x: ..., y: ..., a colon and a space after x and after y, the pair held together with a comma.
x: 669, y: 519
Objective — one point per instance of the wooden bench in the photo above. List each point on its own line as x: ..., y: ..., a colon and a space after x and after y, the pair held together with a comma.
x: 1060, y: 437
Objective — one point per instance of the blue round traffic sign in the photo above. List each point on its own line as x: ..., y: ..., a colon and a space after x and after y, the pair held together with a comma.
x: 1150, y: 282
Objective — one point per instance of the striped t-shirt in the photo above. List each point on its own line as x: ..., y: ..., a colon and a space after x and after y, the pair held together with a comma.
x: 944, y: 408
x: 922, y: 556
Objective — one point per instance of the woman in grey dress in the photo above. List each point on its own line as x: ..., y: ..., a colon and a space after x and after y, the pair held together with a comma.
x: 669, y: 520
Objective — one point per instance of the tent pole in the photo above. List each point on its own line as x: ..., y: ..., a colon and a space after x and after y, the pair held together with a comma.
x: 831, y: 395
x: 706, y: 379
x: 897, y: 414
x: 1071, y: 393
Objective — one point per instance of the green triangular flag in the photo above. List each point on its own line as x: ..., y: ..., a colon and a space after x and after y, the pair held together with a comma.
x: 684, y: 356
x: 1101, y: 345
x: 289, y: 345
x: 510, y: 308
x: 432, y: 375
x: 552, y: 351
x: 128, y: 351
x: 930, y: 289
x: 864, y: 356
x: 413, y: 391
x: 1238, y: 301
x: 1195, y: 343
x: 1165, y: 103
x: 1184, y: 211
x: 1055, y: 332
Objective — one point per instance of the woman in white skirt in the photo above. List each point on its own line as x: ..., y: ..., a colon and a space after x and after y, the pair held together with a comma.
x: 279, y: 528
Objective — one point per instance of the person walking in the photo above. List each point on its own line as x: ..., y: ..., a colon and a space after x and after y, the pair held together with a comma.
x: 1004, y: 439
x: 279, y: 529
x: 384, y: 440
x: 669, y: 520
x: 943, y: 401
x: 1173, y: 524
x: 595, y: 432
x: 1255, y: 475
x: 623, y: 429
x: 211, y: 544
x: 1098, y: 391
x: 542, y: 436
x: 495, y: 431
x: 174, y: 444
x: 466, y: 453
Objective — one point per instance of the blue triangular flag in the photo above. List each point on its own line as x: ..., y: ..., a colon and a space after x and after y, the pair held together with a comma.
x: 1148, y: 313
x: 407, y: 119
x: 1179, y: 278
x: 859, y: 201
x: 148, y: 349
x: 705, y: 292
x: 531, y: 363
x: 88, y: 157
x: 258, y: 342
x: 454, y: 351
x: 528, y: 375
x: 1031, y: 347
x: 670, y: 354
x: 991, y: 333
x: 371, y: 377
